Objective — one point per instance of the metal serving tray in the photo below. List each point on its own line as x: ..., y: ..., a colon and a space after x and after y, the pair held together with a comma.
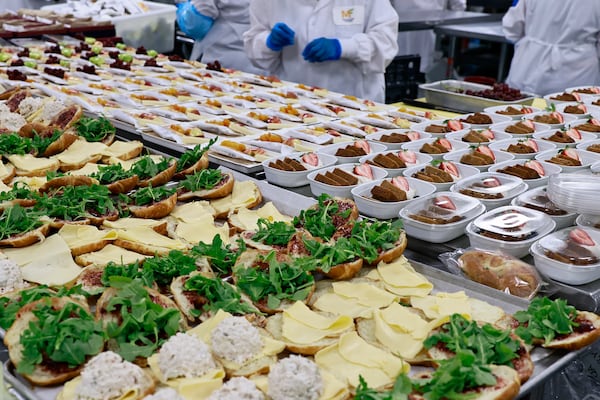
x: 444, y: 93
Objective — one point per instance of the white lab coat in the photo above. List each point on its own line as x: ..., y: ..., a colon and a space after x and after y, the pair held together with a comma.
x: 423, y: 42
x: 557, y: 44
x: 224, y: 41
x: 367, y: 33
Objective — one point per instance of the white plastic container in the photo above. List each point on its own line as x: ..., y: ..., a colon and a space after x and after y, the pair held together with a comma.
x: 516, y: 228
x: 294, y: 178
x: 317, y: 188
x: 376, y: 137
x: 542, y: 146
x: 588, y: 221
x: 418, y: 144
x: 537, y: 199
x: 501, y: 127
x: 549, y: 169
x: 420, y: 160
x: 458, y: 136
x: 577, y: 110
x: 587, y: 159
x: 580, y: 125
x: 464, y: 171
x: 499, y: 155
x: 544, y: 137
x: 586, y: 144
x: 423, y: 126
x: 333, y: 148
x: 526, y: 110
x: 566, y: 118
x: 495, y: 118
x: 466, y: 207
x: 504, y: 187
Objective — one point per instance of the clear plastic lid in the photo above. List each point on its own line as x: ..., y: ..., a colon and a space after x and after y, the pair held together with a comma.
x: 537, y: 199
x: 513, y: 222
x: 490, y: 183
x: 442, y: 208
x: 575, y: 245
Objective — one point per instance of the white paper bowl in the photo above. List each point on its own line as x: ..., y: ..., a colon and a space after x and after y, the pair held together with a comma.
x: 567, y: 118
x: 421, y: 160
x: 587, y: 159
x: 517, y: 249
x: 576, y: 88
x: 588, y: 221
x: 421, y: 127
x: 374, y: 137
x: 502, y: 145
x: 562, y: 221
x: 584, y: 145
x: 434, y: 233
x: 550, y: 169
x: 549, y: 98
x: 293, y: 178
x: 588, y: 109
x: 501, y: 156
x: 495, y: 109
x: 518, y: 187
x: 578, y: 122
x: 332, y: 148
x: 563, y: 272
x: 496, y: 119
x: 386, y: 210
x: 543, y: 137
x: 416, y: 146
x: 317, y: 188
x: 459, y: 135
x: 503, y: 125
x: 465, y: 171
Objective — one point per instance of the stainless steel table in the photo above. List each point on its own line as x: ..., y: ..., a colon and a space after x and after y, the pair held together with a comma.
x: 491, y: 31
x: 428, y: 19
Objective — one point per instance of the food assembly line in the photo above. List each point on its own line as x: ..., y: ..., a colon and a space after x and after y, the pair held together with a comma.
x: 198, y: 282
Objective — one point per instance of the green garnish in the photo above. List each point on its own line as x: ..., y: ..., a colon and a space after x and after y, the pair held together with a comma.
x: 146, y: 168
x: 371, y: 237
x: 273, y: 233
x: 164, y: 268
x: 41, y: 143
x: 191, y: 156
x: 111, y: 173
x: 12, y: 143
x: 19, y: 190
x: 221, y: 257
x: 319, y: 221
x: 202, y: 180
x: 16, y: 220
x: 325, y: 256
x: 71, y: 203
x: 219, y: 295
x: 131, y: 271
x: 149, y: 195
x: 402, y: 388
x: 94, y: 129
x: 545, y: 319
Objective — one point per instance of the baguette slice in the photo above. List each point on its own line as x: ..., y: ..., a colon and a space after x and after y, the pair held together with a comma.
x: 27, y: 238
x: 156, y: 210
x: 201, y: 164
x: 67, y: 180
x: 222, y: 189
x: 161, y: 178
x: 42, y: 375
x: 60, y: 144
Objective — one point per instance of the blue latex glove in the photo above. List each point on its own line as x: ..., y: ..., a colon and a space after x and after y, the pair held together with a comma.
x: 322, y: 49
x: 191, y: 22
x: 281, y: 35
x: 515, y: 2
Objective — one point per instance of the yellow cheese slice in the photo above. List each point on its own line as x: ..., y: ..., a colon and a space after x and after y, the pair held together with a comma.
x: 484, y: 312
x: 112, y: 253
x: 193, y: 211
x: 302, y: 325
x: 190, y: 388
x: 87, y: 169
x: 48, y: 262
x: 244, y: 193
x: 80, y: 235
x: 80, y: 151
x: 69, y: 391
x: 333, y: 388
x: 354, y: 299
x: 247, y: 219
x: 191, y: 233
x: 29, y: 163
x: 34, y: 182
x: 443, y: 304
x: 119, y: 148
x: 149, y: 237
x: 127, y: 164
x: 127, y: 223
x: 400, y: 278
x: 352, y: 357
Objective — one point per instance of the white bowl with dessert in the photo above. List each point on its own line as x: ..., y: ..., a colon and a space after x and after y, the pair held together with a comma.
x: 521, y: 128
x: 436, y: 147
x: 513, y: 111
x: 482, y: 120
x: 394, y: 139
x: 554, y: 119
x: 478, y: 136
x: 578, y: 110
x: 480, y: 157
x: 570, y: 159
x: 522, y: 148
x: 588, y: 125
x: 440, y: 128
x: 339, y: 180
x: 351, y: 152
x: 588, y: 221
x: 534, y: 173
x: 537, y: 199
x: 562, y: 138
x: 592, y: 146
x: 565, y: 97
x: 396, y: 161
x: 292, y: 170
x: 493, y: 189
x: 442, y: 174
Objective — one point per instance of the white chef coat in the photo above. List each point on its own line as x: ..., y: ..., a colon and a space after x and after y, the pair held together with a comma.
x: 224, y: 41
x: 15, y: 5
x: 423, y: 42
x: 366, y: 29
x: 557, y: 44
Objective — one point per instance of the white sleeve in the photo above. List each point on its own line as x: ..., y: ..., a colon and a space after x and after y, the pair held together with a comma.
x: 513, y: 22
x: 209, y: 8
x: 255, y: 38
x: 457, y: 5
x: 374, y: 49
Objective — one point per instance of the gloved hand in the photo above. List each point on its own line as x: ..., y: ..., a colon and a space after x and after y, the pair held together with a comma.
x: 191, y: 22
x: 322, y: 49
x: 281, y: 35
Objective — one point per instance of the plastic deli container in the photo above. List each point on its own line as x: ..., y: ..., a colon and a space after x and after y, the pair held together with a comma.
x: 295, y: 178
x: 524, y: 170
x: 408, y: 157
x: 571, y: 255
x: 511, y: 229
x: 577, y: 193
x: 515, y: 146
x: 332, y: 150
x: 317, y: 188
x: 424, y: 172
x: 440, y: 217
x: 491, y: 188
x: 537, y: 199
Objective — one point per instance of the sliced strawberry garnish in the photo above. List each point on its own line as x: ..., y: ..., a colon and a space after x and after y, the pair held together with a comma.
x: 582, y: 107
x: 487, y: 151
x: 558, y: 116
x: 533, y: 164
x: 577, y: 96
x: 445, y: 143
x: 333, y: 132
x: 488, y: 134
x: 311, y: 159
x: 364, y: 170
x: 363, y: 144
x: 594, y: 121
x: 574, y: 134
x: 571, y: 153
x: 444, y: 202
x: 429, y: 115
x: 491, y: 182
x: 450, y: 168
x: 401, y: 183
x: 408, y: 156
x: 529, y: 123
x: 412, y: 135
x: 526, y: 110
x: 582, y: 237
x: 455, y: 125
x: 531, y: 143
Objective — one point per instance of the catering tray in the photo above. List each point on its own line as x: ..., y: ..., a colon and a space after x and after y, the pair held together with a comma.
x: 445, y: 93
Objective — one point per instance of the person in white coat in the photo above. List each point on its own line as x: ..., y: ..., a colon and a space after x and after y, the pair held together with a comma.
x: 557, y: 44
x: 339, y: 45
x: 423, y: 42
x: 217, y: 27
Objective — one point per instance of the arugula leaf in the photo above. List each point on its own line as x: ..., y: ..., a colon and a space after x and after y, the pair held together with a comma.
x: 402, y: 388
x: 201, y: 180
x: 325, y: 256
x: 16, y: 220
x: 69, y: 335
x: 111, y: 173
x: 94, y: 129
x: 164, y: 268
x: 149, y: 195
x: 319, y: 221
x: 278, y: 281
x: 41, y: 143
x: 545, y: 319
x: 146, y: 168
x: 19, y: 190
x: 192, y: 156
x: 273, y: 233
x: 131, y: 271
x: 490, y: 345
x: 12, y: 143
x: 221, y: 257
x: 219, y: 296
x: 72, y: 203
x: 144, y: 325
x: 372, y: 237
